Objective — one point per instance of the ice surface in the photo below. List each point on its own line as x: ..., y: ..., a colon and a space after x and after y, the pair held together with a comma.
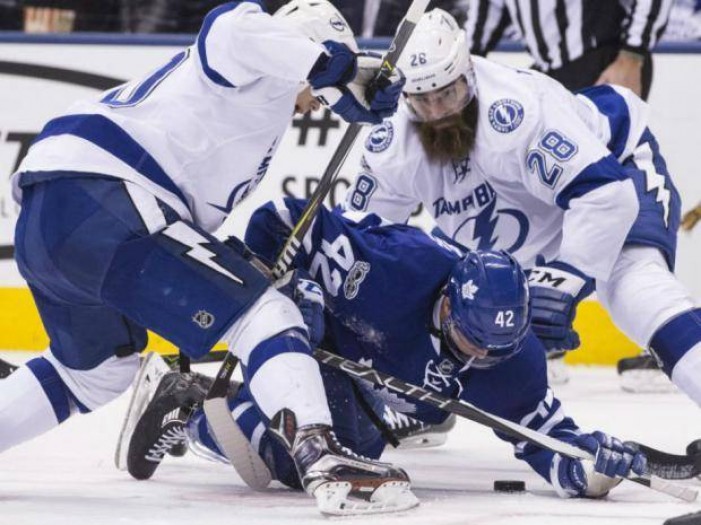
x: 67, y: 477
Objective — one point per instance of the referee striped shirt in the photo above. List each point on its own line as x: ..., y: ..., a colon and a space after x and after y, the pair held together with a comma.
x: 557, y: 32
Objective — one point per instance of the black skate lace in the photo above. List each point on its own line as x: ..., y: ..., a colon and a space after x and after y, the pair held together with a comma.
x: 171, y: 437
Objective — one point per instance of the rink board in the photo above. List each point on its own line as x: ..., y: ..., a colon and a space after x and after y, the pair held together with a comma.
x: 41, y: 76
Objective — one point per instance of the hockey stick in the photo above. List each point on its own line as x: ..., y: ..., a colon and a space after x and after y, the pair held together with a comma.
x: 661, y: 464
x: 471, y: 412
x: 396, y: 47
x: 229, y: 436
x: 670, y: 466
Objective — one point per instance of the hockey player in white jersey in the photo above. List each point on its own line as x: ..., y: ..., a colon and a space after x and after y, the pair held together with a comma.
x: 119, y: 198
x: 574, y: 186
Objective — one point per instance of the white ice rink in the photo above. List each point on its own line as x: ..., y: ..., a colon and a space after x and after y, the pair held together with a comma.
x: 68, y: 476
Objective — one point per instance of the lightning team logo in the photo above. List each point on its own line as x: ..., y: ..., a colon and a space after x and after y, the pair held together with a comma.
x: 655, y: 183
x: 506, y: 229
x: 198, y: 248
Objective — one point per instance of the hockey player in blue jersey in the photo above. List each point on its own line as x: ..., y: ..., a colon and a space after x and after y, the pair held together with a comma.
x: 419, y: 309
x: 574, y: 186
x: 119, y: 199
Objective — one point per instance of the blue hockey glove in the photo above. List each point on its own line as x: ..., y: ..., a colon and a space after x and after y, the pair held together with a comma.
x: 335, y: 69
x: 309, y: 298
x: 581, y: 478
x: 383, y: 94
x: 349, y: 101
x: 556, y: 289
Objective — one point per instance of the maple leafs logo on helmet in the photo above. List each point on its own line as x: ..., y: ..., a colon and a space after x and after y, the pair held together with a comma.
x: 469, y: 290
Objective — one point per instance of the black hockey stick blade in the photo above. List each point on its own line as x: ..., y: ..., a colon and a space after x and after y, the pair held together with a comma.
x: 669, y: 466
x: 6, y: 368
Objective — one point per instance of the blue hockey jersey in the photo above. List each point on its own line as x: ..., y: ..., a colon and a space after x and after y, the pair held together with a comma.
x: 383, y: 283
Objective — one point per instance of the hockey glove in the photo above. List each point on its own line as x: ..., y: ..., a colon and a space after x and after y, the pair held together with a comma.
x: 556, y: 290
x: 335, y: 69
x: 349, y: 100
x: 581, y: 478
x: 309, y: 298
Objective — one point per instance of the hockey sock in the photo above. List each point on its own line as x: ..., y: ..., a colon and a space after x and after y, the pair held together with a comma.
x: 251, y: 423
x: 677, y: 345
x: 33, y: 400
x: 281, y: 373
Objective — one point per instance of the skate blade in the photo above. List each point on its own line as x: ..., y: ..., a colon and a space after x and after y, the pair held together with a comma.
x: 392, y: 496
x: 428, y: 440
x: 152, y: 369
x: 646, y: 382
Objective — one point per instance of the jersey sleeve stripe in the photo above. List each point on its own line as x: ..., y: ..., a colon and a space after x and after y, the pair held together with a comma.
x: 596, y: 175
x: 209, y: 20
x: 613, y: 106
x: 108, y: 136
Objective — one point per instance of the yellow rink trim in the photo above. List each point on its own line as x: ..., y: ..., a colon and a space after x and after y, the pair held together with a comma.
x: 602, y: 342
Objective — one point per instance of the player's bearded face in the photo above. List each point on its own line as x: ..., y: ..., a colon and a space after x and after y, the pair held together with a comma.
x: 447, y: 120
x: 451, y: 138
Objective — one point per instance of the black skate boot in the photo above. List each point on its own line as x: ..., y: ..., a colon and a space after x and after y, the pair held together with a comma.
x: 642, y: 375
x: 343, y: 483
x: 6, y: 369
x: 161, y: 426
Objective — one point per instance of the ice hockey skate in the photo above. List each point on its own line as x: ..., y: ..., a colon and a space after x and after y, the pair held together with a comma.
x: 642, y: 375
x: 160, y: 427
x: 153, y: 368
x: 6, y: 368
x: 342, y: 482
x: 412, y: 433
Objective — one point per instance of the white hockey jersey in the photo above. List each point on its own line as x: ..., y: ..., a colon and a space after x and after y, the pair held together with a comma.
x: 199, y: 132
x: 544, y: 176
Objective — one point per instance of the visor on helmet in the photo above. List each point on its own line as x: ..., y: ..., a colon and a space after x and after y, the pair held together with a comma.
x: 440, y: 103
x: 468, y: 350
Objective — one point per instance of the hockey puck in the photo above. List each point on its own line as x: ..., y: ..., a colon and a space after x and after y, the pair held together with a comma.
x: 694, y: 448
x: 509, y: 485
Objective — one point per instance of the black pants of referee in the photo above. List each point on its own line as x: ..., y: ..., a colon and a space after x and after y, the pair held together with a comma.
x: 585, y: 71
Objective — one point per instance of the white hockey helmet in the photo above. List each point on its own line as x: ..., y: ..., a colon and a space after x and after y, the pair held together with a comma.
x: 319, y: 20
x: 436, y: 57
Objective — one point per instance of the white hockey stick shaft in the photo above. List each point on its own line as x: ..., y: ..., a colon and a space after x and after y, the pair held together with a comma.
x: 226, y: 431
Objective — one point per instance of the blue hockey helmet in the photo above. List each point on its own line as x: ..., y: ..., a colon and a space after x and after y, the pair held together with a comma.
x: 488, y: 315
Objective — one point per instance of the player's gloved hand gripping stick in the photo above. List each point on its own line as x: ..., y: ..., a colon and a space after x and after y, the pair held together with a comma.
x: 229, y: 436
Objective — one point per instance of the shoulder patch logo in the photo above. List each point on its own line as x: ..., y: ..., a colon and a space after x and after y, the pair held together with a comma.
x: 506, y: 115
x: 380, y: 137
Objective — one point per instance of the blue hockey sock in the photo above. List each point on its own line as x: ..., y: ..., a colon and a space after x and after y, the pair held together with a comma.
x: 675, y: 338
